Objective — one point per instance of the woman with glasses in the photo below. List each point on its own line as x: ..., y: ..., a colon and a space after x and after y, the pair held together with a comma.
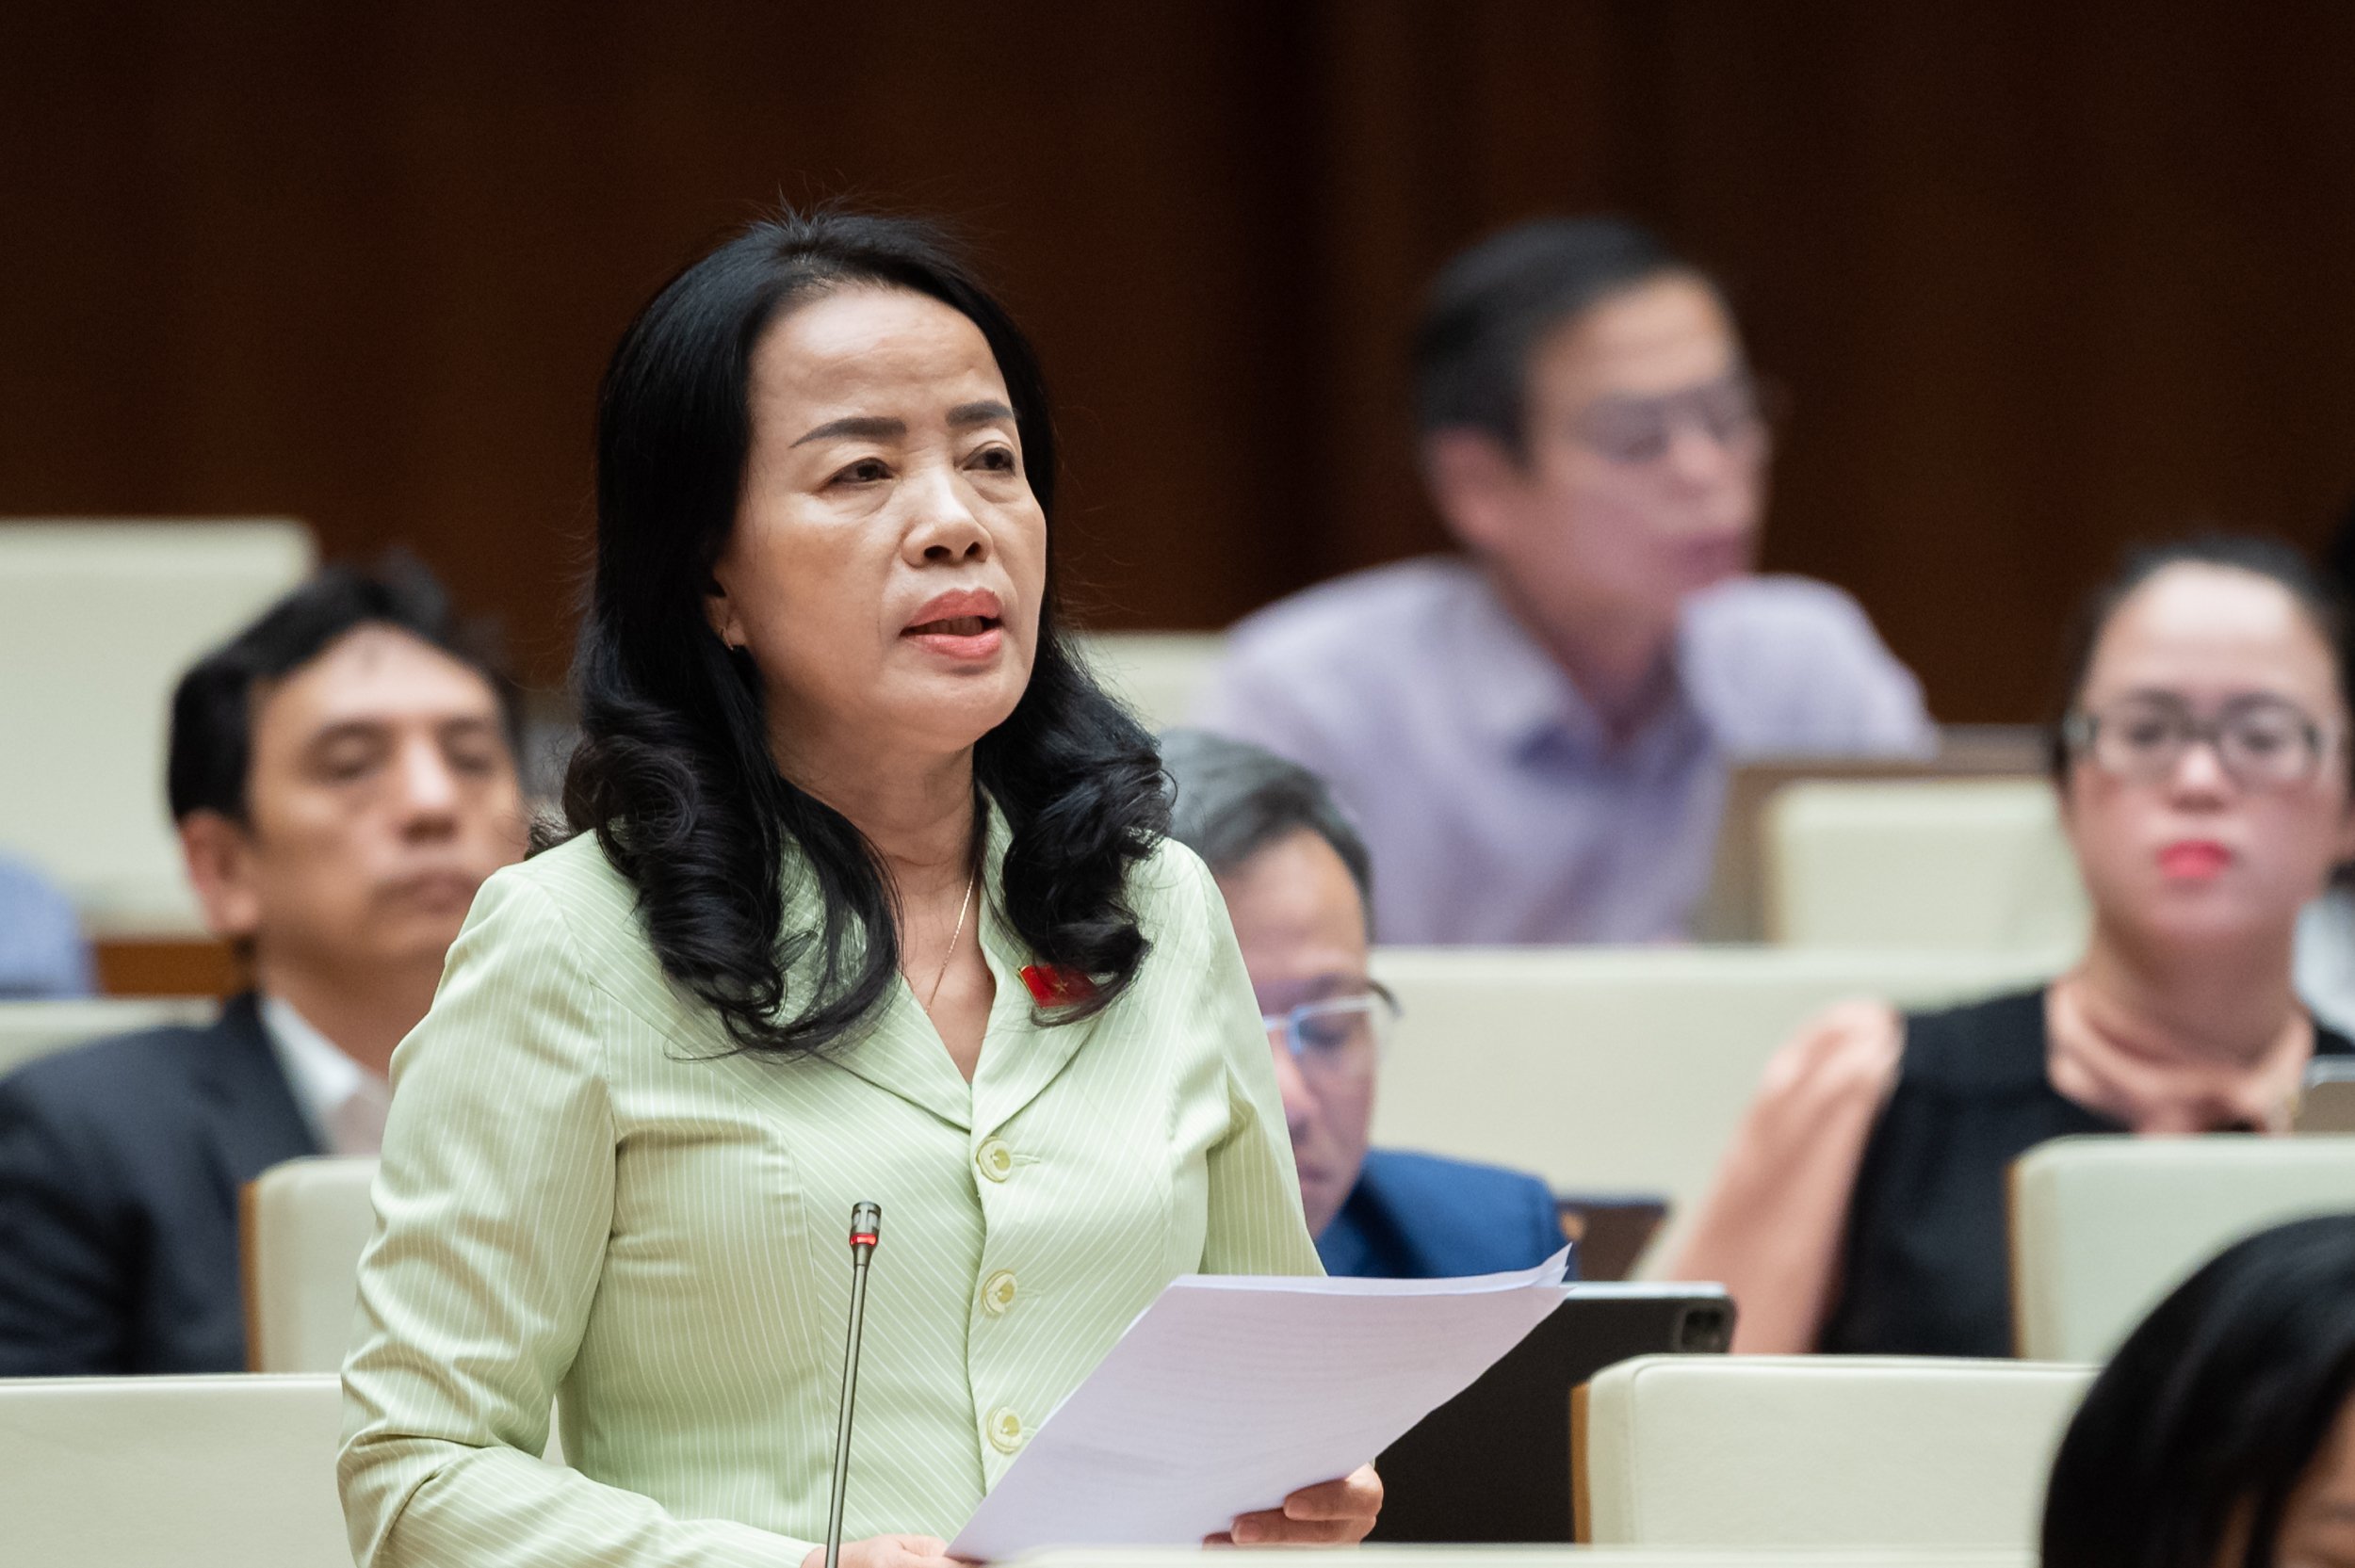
x: 1298, y: 887
x: 2207, y: 789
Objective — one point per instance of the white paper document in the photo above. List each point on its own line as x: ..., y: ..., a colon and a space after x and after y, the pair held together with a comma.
x: 1230, y: 1392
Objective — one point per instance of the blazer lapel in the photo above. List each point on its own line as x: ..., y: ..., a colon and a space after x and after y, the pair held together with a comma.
x: 1019, y: 1055
x: 246, y: 1107
x: 1347, y: 1246
x: 903, y: 1056
x: 900, y: 1053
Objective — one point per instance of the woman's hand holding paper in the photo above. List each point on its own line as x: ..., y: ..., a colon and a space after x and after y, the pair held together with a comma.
x: 1331, y: 1513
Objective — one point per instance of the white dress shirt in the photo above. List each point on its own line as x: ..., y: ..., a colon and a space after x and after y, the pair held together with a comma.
x: 343, y: 1101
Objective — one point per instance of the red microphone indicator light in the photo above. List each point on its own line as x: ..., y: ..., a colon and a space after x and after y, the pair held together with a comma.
x: 866, y: 1224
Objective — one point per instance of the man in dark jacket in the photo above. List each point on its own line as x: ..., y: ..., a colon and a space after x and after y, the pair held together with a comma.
x: 1297, y: 881
x: 343, y: 776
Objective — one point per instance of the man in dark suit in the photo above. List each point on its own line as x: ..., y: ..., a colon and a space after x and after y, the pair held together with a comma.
x: 343, y: 776
x: 1417, y: 1216
x: 1297, y: 881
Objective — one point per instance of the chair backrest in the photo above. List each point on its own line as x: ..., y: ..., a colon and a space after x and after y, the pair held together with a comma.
x: 1612, y: 1069
x: 1920, y: 863
x: 196, y: 1472
x: 29, y: 1029
x: 1734, y: 908
x: 2104, y: 1227
x: 1159, y: 675
x: 305, y: 1224
x: 1819, y: 1450
x: 93, y: 816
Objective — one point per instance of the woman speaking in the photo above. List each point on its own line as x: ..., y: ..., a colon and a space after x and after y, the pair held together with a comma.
x: 868, y: 898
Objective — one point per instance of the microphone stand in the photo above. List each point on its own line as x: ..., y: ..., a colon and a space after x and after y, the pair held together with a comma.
x: 866, y: 1224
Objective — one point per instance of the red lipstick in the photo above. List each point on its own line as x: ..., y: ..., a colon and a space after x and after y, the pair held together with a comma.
x: 2194, y: 859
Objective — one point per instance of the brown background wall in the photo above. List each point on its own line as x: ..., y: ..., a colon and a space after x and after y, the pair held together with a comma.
x: 2039, y: 278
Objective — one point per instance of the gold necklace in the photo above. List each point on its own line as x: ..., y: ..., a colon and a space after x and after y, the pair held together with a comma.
x: 963, y: 907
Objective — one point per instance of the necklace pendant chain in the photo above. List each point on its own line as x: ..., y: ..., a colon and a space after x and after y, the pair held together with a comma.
x: 964, y: 907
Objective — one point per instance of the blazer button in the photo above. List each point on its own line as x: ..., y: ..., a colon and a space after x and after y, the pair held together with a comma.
x: 998, y: 1293
x: 995, y: 1159
x: 1005, y: 1429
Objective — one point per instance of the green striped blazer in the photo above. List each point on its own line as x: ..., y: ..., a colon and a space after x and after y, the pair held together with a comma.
x: 583, y: 1195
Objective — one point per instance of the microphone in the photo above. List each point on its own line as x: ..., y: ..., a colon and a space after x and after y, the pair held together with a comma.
x: 866, y: 1224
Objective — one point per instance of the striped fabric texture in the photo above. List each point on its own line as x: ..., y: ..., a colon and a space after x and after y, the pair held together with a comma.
x: 583, y: 1196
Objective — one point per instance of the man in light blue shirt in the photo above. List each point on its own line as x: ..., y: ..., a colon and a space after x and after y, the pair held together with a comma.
x: 1537, y: 735
x: 41, y: 951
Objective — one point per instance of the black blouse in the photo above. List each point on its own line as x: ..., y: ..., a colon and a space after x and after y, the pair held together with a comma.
x: 1926, y: 1257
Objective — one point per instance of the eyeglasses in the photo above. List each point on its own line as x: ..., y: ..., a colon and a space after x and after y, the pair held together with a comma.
x: 1338, y: 1039
x: 2260, y: 742
x: 1731, y: 411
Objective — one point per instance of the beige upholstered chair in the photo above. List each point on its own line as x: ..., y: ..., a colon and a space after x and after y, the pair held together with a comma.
x: 199, y: 1472
x: 1159, y: 675
x: 1734, y: 908
x: 29, y: 1029
x: 93, y: 814
x: 1919, y: 862
x: 1617, y: 1069
x: 2101, y: 1228
x: 1818, y: 1450
x: 305, y: 1224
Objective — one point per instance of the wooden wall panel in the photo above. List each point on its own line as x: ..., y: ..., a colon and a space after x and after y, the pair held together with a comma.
x: 2044, y: 280
x: 2040, y: 278
x: 363, y: 266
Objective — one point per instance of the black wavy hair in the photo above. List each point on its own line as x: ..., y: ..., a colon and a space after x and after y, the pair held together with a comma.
x: 2319, y: 598
x: 2213, y: 1410
x: 673, y: 773
x: 211, y: 751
